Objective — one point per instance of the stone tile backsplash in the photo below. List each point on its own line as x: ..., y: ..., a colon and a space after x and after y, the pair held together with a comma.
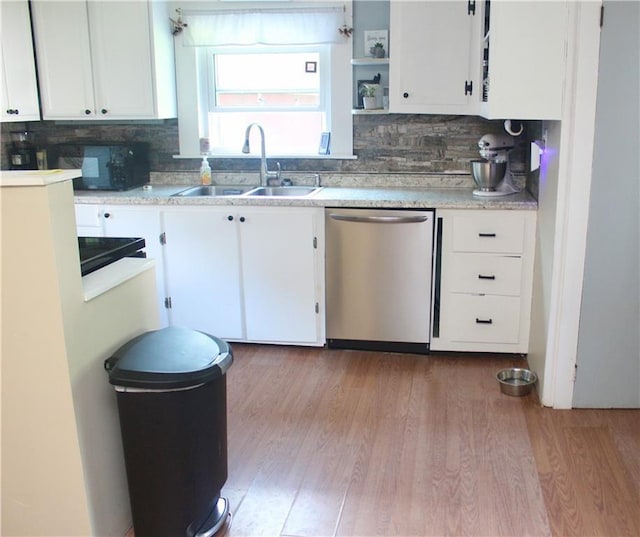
x: 384, y: 144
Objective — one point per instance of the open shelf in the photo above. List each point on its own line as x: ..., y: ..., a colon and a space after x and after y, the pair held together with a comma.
x: 370, y: 61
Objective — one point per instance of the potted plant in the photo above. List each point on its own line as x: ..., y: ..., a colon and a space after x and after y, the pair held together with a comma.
x: 377, y: 50
x: 369, y: 98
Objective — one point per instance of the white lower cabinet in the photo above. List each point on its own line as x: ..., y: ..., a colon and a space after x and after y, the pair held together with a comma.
x: 281, y: 266
x: 127, y: 221
x: 485, y: 269
x: 483, y: 318
x: 247, y: 273
x: 202, y: 258
x: 89, y: 220
x: 136, y: 221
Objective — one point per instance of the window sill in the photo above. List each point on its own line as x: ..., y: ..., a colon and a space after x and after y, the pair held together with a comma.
x: 372, y: 111
x: 270, y: 157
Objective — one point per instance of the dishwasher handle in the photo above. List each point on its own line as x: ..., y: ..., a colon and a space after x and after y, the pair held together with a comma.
x: 380, y: 219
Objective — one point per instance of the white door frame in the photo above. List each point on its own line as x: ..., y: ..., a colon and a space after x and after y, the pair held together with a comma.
x: 572, y: 211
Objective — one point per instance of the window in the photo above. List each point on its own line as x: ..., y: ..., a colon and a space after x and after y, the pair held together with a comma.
x: 283, y: 91
x: 295, y: 90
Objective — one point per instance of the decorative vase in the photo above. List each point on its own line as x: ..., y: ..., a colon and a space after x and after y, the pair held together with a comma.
x: 370, y: 103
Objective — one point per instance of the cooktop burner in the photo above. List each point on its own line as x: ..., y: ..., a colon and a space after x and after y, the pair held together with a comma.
x: 98, y: 252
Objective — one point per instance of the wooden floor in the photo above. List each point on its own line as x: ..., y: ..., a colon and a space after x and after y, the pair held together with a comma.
x: 350, y: 443
x: 359, y: 443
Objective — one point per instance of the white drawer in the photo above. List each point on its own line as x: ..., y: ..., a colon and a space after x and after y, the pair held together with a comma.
x: 482, y: 319
x: 485, y: 273
x: 489, y: 233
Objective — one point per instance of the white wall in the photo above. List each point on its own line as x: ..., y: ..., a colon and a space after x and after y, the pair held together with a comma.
x: 62, y: 464
x: 545, y: 240
x: 608, y: 358
x: 42, y: 475
x: 562, y: 233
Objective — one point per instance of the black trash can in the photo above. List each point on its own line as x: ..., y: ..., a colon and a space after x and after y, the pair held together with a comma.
x: 172, y: 402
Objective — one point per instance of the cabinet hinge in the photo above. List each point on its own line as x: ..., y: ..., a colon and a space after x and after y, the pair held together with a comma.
x: 317, y: 308
x: 315, y: 242
x: 468, y: 87
x: 163, y: 238
x: 167, y: 302
x: 471, y: 7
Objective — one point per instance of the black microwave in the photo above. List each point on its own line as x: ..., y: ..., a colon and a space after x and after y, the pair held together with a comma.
x: 113, y: 166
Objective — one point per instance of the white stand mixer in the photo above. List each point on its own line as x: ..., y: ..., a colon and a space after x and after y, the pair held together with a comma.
x: 495, y: 148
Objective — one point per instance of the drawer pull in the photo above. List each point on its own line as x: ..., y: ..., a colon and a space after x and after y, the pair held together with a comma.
x: 483, y: 277
x: 484, y: 321
x: 486, y: 234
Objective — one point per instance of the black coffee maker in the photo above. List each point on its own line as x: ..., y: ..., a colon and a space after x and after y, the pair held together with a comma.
x: 23, y: 151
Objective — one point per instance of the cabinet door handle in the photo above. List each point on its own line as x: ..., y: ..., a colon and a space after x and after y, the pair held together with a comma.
x: 242, y: 219
x: 484, y: 321
x: 405, y: 95
x: 107, y: 215
x: 230, y: 218
x: 486, y: 234
x: 87, y: 111
x: 103, y: 111
x: 483, y: 277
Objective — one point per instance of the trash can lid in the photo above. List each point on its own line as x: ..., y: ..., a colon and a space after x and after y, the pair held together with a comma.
x: 169, y: 358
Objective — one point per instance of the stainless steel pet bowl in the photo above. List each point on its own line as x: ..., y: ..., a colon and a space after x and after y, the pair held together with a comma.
x: 487, y: 174
x: 515, y: 381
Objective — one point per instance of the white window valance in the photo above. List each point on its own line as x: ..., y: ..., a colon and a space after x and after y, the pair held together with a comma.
x: 288, y: 26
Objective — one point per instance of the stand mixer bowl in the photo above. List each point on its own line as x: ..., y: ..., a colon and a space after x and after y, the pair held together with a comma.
x: 487, y: 174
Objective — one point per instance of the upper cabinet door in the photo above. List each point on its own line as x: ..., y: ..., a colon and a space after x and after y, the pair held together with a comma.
x: 120, y: 47
x: 524, y: 50
x: 19, y: 91
x: 64, y: 59
x: 434, y: 61
x: 105, y: 60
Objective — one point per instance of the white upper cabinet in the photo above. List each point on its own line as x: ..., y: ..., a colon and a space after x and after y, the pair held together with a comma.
x: 435, y: 65
x: 19, y: 93
x: 523, y: 50
x: 105, y: 60
x: 64, y: 59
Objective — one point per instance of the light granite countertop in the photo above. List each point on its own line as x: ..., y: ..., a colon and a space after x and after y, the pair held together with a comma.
x: 379, y: 197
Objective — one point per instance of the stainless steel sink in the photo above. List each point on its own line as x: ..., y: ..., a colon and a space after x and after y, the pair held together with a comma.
x: 283, y: 191
x: 214, y: 190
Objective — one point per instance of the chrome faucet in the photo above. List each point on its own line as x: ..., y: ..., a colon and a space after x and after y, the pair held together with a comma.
x: 265, y: 174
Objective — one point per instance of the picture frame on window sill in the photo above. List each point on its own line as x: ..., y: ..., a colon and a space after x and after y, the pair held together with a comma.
x: 325, y: 139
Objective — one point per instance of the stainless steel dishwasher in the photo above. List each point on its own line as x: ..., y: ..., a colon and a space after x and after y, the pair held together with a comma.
x: 378, y: 274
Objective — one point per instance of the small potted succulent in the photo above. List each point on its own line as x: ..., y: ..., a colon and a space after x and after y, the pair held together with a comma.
x: 377, y: 50
x: 369, y: 98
